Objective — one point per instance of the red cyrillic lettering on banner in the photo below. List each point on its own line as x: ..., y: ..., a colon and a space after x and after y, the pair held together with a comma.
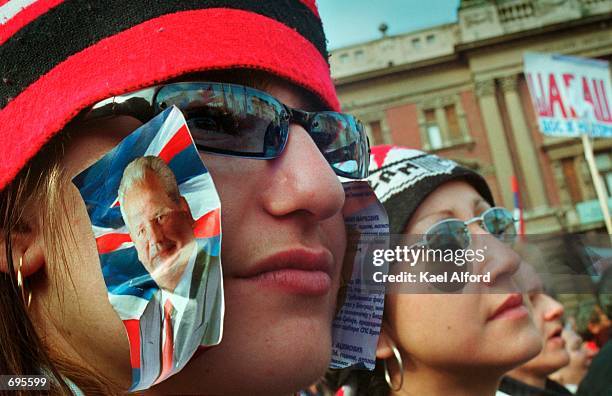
x: 605, y: 102
x: 539, y: 96
x: 555, y: 95
x: 546, y: 107
x: 602, y: 112
x: 596, y: 100
x: 586, y: 89
x: 567, y: 80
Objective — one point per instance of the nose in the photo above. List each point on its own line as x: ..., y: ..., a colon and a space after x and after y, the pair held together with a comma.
x: 303, y: 181
x: 477, y: 228
x: 500, y: 260
x: 154, y: 233
x: 554, y: 310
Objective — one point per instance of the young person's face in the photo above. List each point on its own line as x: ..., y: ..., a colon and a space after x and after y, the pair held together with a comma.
x: 547, y: 314
x: 161, y: 229
x: 459, y: 332
x: 283, y: 245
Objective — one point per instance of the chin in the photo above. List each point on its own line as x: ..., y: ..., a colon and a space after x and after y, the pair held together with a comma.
x: 532, y: 346
x: 528, y: 342
x: 293, y: 356
x: 262, y: 367
x: 267, y: 348
x: 523, y: 347
x: 561, y: 360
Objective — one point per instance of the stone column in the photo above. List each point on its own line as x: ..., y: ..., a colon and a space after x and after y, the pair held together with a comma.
x: 498, y: 146
x: 525, y: 148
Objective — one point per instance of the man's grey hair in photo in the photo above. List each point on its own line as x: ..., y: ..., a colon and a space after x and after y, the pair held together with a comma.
x: 136, y: 172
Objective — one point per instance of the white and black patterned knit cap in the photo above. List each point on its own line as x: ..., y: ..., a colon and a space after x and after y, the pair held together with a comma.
x: 402, y: 178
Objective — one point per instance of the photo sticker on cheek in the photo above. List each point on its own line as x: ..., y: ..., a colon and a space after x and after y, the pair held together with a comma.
x: 356, y: 327
x: 155, y: 214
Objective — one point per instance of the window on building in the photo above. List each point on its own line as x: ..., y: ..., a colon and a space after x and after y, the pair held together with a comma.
x: 434, y: 134
x: 568, y: 165
x: 359, y: 55
x: 430, y: 39
x: 452, y: 121
x: 443, y: 123
x: 344, y: 58
x: 376, y: 133
x: 416, y: 43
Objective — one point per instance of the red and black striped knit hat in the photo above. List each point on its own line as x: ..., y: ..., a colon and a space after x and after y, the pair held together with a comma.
x: 58, y: 57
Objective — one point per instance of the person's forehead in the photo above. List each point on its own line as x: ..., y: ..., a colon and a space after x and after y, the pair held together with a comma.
x: 146, y: 194
x: 446, y: 194
x: 443, y: 202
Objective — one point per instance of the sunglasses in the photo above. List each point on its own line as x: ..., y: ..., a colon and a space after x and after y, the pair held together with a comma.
x: 240, y: 121
x: 454, y: 234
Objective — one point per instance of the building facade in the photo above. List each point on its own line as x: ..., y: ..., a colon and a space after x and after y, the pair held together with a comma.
x: 459, y: 90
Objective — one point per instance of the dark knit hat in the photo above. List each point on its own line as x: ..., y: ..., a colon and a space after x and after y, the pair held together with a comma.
x: 58, y: 57
x: 402, y: 178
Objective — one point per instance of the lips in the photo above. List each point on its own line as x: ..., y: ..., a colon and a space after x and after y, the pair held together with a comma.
x: 511, y: 308
x: 554, y: 337
x: 296, y: 271
x: 556, y: 332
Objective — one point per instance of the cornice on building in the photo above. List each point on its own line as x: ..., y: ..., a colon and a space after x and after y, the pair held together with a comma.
x: 481, y: 23
x: 395, y: 51
x: 472, y: 3
x: 499, y: 18
x: 509, y: 37
x: 393, y: 69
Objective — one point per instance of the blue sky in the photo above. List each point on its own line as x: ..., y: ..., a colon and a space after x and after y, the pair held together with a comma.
x: 349, y: 22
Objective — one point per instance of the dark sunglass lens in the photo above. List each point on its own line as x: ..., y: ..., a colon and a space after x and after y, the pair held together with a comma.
x: 448, y: 234
x: 229, y: 119
x: 500, y: 223
x: 342, y: 141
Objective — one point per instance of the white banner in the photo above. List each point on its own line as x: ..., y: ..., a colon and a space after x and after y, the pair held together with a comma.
x: 571, y: 95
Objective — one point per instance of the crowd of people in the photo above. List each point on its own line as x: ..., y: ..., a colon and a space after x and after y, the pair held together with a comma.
x: 277, y: 164
x: 460, y: 344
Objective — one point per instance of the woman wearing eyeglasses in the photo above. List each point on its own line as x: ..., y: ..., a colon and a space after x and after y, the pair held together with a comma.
x: 431, y: 342
x: 253, y: 82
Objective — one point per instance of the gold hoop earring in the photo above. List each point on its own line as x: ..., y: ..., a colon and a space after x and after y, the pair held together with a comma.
x: 20, y: 284
x: 400, y: 364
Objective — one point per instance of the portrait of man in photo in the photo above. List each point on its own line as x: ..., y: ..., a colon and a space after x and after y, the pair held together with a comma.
x: 161, y: 226
x: 158, y: 219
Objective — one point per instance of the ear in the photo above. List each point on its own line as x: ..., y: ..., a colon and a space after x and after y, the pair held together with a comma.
x: 27, y: 246
x: 385, y: 341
